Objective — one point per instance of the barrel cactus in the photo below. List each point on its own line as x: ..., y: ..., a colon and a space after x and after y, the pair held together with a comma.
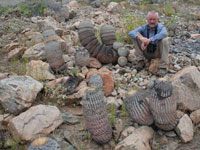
x: 163, y: 106
x: 105, y: 54
x: 54, y: 54
x: 95, y: 114
x: 108, y: 36
x: 138, y: 108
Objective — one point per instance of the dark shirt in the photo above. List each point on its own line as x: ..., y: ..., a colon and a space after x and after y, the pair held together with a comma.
x: 161, y: 33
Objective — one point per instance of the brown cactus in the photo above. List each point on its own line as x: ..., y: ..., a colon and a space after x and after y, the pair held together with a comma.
x: 137, y: 107
x: 163, y: 106
x: 95, y: 113
x: 105, y: 54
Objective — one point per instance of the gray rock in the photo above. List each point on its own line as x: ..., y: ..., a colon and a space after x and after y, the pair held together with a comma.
x: 18, y: 93
x: 96, y: 3
x: 69, y: 118
x: 117, y: 45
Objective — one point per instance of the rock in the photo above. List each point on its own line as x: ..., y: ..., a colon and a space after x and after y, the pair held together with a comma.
x: 33, y: 38
x: 195, y: 36
x: 138, y: 140
x: 55, y: 82
x: 44, y: 143
x: 131, y: 56
x: 12, y: 46
x: 81, y: 90
x: 18, y: 93
x: 50, y: 22
x: 3, y: 75
x: 107, y: 77
x: 96, y: 3
x: 111, y: 101
x: 185, y: 129
x: 195, y: 116
x: 69, y: 118
x: 114, y: 7
x: 108, y: 80
x: 17, y: 52
x: 128, y: 131
x: 35, y: 52
x: 36, y: 121
x: 153, y: 68
x: 186, y: 88
x: 39, y: 70
x: 93, y: 63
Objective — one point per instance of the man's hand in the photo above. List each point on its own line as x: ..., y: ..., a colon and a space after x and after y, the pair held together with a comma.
x: 145, y: 42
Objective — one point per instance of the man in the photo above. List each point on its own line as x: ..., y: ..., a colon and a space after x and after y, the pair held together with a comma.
x: 150, y: 42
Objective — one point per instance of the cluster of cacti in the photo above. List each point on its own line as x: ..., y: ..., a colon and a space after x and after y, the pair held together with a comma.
x: 95, y: 114
x: 103, y: 52
x: 158, y: 106
x: 54, y: 54
x: 122, y: 52
x: 44, y: 143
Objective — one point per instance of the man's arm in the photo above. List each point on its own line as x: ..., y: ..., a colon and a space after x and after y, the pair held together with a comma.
x: 159, y: 36
x: 136, y: 33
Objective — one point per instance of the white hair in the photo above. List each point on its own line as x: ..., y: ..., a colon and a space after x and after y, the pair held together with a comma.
x: 152, y: 12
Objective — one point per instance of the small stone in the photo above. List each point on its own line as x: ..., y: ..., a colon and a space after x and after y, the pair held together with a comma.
x: 128, y: 131
x: 117, y: 45
x: 170, y: 134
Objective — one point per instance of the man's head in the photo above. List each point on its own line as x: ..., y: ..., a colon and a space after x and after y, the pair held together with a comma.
x: 152, y: 18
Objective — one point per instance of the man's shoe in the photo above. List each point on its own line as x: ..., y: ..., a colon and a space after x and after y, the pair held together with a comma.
x: 161, y: 72
x: 140, y: 65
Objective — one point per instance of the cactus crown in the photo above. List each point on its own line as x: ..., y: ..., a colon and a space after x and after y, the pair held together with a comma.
x: 163, y: 89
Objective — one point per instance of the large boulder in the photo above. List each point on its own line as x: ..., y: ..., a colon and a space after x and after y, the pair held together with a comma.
x: 36, y: 121
x: 18, y: 93
x: 138, y: 140
x: 186, y: 88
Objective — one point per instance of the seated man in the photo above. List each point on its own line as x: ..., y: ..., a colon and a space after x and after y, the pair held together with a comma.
x: 150, y: 42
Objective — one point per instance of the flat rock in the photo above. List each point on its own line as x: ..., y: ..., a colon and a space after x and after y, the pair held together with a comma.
x: 138, y: 140
x: 185, y: 129
x: 18, y: 93
x: 17, y: 52
x: 36, y: 121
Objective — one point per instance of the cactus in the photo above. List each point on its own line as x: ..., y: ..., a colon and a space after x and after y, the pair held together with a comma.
x: 95, y: 80
x: 138, y: 108
x: 95, y: 113
x: 163, y: 106
x: 105, y: 54
x: 54, y: 54
x: 123, y: 51
x: 82, y: 58
x: 71, y: 84
x: 107, y: 33
x: 122, y: 61
x: 44, y: 143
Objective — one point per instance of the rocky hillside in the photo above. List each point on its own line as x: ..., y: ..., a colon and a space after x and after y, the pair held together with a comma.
x: 53, y: 53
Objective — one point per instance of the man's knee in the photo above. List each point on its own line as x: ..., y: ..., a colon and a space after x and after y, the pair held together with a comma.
x: 165, y: 41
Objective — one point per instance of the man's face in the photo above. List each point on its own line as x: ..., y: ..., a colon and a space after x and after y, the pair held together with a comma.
x: 152, y: 20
